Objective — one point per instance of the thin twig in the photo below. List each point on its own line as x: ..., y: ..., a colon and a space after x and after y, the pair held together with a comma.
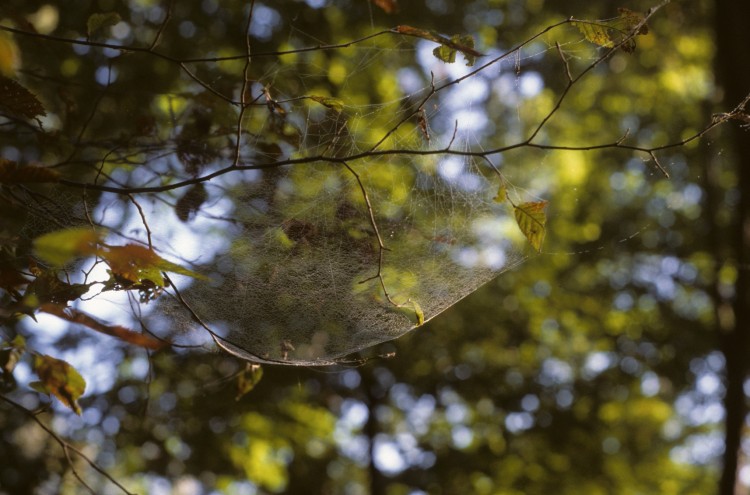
x: 66, y: 446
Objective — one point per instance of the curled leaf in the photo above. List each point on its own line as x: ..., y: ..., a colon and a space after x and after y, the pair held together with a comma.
x: 502, y: 193
x: 248, y: 379
x: 58, y: 378
x: 449, y: 46
x: 328, y: 102
x: 531, y: 219
x: 609, y: 32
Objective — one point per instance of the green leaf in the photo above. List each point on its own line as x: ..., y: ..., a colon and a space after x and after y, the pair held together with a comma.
x: 60, y: 379
x: 98, y: 23
x: 248, y: 379
x: 462, y: 43
x: 531, y: 219
x: 502, y: 193
x: 62, y: 246
x: 329, y: 102
x: 609, y: 32
x: 447, y: 51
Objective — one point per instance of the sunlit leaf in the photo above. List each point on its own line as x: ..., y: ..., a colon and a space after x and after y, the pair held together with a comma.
x: 609, y: 32
x: 98, y: 23
x: 13, y: 173
x: 17, y: 100
x: 447, y: 51
x: 62, y: 246
x: 10, y: 57
x: 502, y: 193
x: 326, y: 101
x: 125, y: 334
x: 531, y: 219
x: 60, y: 379
x: 137, y: 264
x: 248, y: 379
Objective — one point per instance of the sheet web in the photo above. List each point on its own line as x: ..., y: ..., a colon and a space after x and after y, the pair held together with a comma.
x: 311, y: 261
x: 324, y: 259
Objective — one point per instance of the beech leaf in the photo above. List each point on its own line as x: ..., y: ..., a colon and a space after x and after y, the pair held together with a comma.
x: 609, y: 32
x: 449, y: 46
x: 62, y: 246
x: 531, y: 219
x: 139, y: 264
x: 13, y: 173
x: 502, y: 193
x: 248, y: 379
x: 60, y: 379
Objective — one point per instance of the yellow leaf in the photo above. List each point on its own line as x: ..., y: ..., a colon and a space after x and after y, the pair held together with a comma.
x: 62, y: 246
x: 531, y: 219
x: 60, y: 379
x: 248, y: 379
x: 502, y: 193
x: 10, y: 57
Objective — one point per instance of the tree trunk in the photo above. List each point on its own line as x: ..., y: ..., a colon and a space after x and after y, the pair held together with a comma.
x: 733, y: 70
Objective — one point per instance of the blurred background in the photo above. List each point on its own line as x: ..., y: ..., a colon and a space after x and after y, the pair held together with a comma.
x: 609, y: 363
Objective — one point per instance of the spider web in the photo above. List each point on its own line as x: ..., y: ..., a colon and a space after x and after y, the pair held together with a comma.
x: 311, y: 262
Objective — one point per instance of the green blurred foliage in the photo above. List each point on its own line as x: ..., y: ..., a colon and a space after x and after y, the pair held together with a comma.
x: 574, y: 373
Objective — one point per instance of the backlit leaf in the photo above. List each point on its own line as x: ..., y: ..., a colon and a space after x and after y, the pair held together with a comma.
x: 609, y: 32
x: 462, y: 43
x: 326, y: 101
x: 447, y: 51
x: 98, y: 23
x: 10, y: 57
x: 60, y: 379
x: 17, y: 100
x: 75, y: 316
x: 13, y: 173
x: 139, y: 264
x: 248, y: 379
x: 62, y: 246
x: 531, y: 219
x: 502, y: 193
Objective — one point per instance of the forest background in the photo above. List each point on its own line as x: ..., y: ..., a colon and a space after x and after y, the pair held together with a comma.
x: 605, y: 152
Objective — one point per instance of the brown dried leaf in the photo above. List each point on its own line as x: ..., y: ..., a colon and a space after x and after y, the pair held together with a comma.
x: 13, y: 173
